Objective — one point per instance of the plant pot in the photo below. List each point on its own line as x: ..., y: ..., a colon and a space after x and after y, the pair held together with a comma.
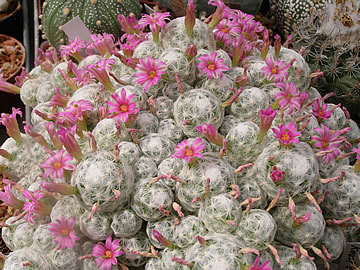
x: 8, y: 8
x: 12, y: 57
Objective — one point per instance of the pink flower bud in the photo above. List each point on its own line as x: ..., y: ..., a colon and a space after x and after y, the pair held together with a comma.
x: 216, y: 17
x: 191, y: 51
x: 8, y: 87
x: 162, y: 240
x: 61, y: 188
x: 190, y: 18
x: 277, y: 175
x: 277, y: 45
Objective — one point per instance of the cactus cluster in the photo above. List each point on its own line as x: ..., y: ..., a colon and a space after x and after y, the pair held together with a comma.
x: 216, y: 152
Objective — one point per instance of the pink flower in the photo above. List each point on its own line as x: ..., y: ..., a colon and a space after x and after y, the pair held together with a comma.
x: 129, y: 46
x: 156, y: 21
x: 189, y: 152
x: 59, y: 100
x: 149, y: 72
x: 99, y: 71
x: 327, y: 141
x: 227, y: 28
x: 128, y: 24
x: 20, y: 79
x: 289, y: 97
x: 55, y: 165
x: 211, y: 65
x: 276, y: 175
x: 357, y: 151
x: 266, y: 119
x: 75, y: 111
x: 319, y: 108
x: 34, y: 205
x: 12, y: 127
x: 73, y: 49
x: 287, y: 134
x: 63, y: 232
x: 264, y: 266
x: 106, y: 253
x: 103, y: 43
x: 8, y: 198
x: 276, y: 70
x: 122, y: 106
x: 9, y: 87
x: 67, y: 138
x: 210, y: 133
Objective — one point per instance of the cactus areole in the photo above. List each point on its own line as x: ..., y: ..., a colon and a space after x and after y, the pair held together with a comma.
x: 98, y: 15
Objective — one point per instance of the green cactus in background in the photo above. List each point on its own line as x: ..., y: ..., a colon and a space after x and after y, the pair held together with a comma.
x: 328, y: 33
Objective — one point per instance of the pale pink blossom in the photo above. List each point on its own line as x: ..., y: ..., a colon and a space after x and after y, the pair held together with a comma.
x: 34, y: 205
x: 55, y: 165
x: 105, y: 254
x: 276, y: 70
x: 8, y: 198
x: 289, y: 97
x: 287, y: 134
x: 11, y: 124
x: 266, y: 118
x: 73, y: 49
x: 188, y: 151
x: 99, y: 71
x: 104, y: 43
x: 63, y: 232
x: 149, y: 72
x: 327, y: 141
x: 212, y: 66
x: 122, y: 107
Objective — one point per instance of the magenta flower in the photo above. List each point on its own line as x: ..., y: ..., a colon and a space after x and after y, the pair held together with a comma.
x: 99, y: 71
x: 67, y: 138
x: 227, y: 29
x: 122, y: 107
x: 9, y: 87
x: 59, y: 100
x: 264, y: 266
x: 276, y: 70
x: 103, y: 43
x: 106, y: 253
x: 34, y: 205
x: 63, y: 232
x: 266, y: 119
x: 129, y: 46
x: 149, y: 72
x: 277, y: 175
x: 288, y: 97
x: 212, y: 66
x: 189, y: 152
x: 327, y: 141
x: 73, y: 49
x: 55, y: 165
x: 287, y: 134
x: 8, y: 198
x: 156, y: 22
x: 12, y: 127
x: 357, y: 151
x: 127, y: 24
x: 210, y: 133
x: 20, y: 79
x: 74, y: 114
x: 319, y: 108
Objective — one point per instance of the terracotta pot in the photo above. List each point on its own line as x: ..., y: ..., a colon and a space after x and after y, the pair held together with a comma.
x: 12, y: 57
x: 14, y: 5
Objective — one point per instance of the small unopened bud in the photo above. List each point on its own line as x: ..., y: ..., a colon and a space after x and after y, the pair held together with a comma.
x: 162, y: 240
x: 190, y: 18
x: 191, y: 52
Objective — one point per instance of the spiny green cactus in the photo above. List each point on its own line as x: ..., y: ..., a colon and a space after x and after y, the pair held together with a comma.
x: 98, y: 16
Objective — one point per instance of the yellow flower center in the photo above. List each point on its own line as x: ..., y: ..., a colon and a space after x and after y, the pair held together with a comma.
x: 65, y: 232
x: 189, y: 152
x: 124, y: 108
x: 320, y: 113
x: 226, y: 29
x: 211, y: 67
x: 108, y: 254
x: 325, y: 144
x: 152, y: 74
x: 57, y: 165
x: 274, y: 71
x: 285, y: 137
